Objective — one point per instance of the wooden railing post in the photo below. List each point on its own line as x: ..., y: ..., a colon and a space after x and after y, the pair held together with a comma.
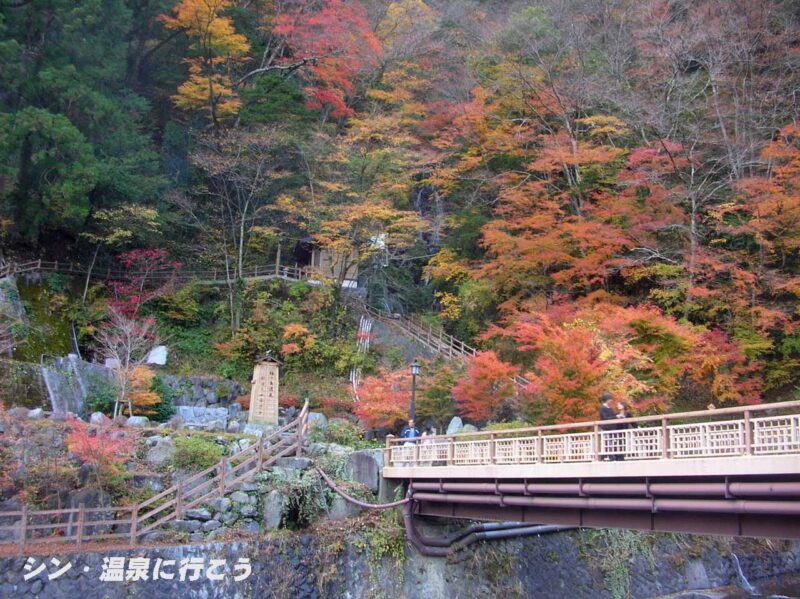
x: 23, y: 526
x: 664, y: 439
x: 539, y: 447
x: 299, y: 437
x: 387, y: 450
x: 748, y: 434
x: 451, y: 450
x: 492, y: 448
x: 596, y: 444
x: 223, y: 469
x: 134, y: 523
x: 416, y: 453
x: 179, y: 501
x: 81, y: 519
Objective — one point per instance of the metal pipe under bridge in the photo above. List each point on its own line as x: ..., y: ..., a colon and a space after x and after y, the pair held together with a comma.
x: 731, y: 471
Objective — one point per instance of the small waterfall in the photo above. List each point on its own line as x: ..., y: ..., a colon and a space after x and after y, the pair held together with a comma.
x: 743, y: 582
x: 69, y: 382
x: 363, y: 338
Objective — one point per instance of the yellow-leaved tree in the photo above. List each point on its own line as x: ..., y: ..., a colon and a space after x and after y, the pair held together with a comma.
x: 217, y: 47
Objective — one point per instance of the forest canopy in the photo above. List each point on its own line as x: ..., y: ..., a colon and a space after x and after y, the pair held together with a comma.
x: 602, y: 195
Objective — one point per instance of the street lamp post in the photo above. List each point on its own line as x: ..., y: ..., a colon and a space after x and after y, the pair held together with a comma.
x: 414, y: 373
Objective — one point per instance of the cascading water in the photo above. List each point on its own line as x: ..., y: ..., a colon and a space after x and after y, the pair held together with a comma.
x: 743, y: 582
x: 69, y: 382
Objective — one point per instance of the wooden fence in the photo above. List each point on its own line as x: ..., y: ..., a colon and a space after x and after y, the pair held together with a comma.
x: 215, y: 275
x: 125, y: 525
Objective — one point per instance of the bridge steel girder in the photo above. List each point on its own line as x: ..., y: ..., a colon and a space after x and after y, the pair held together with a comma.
x: 743, y: 506
x: 736, y: 525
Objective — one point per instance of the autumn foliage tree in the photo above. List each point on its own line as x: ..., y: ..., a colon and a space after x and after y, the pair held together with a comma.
x: 486, y: 388
x: 335, y: 38
x: 105, y: 449
x: 384, y: 399
x: 217, y: 48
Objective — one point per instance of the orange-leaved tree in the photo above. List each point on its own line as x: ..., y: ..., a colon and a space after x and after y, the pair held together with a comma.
x: 384, y: 399
x: 486, y: 388
x: 336, y: 40
x: 105, y: 449
x: 142, y: 396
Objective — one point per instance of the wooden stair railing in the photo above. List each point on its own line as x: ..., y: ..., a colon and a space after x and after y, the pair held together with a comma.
x: 131, y: 522
x: 443, y: 344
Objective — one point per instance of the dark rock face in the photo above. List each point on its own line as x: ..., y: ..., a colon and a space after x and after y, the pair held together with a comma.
x: 365, y: 466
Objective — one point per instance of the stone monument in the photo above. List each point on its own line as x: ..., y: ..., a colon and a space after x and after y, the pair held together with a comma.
x: 264, y: 394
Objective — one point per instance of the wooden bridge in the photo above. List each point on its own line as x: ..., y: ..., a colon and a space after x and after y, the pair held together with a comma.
x: 732, y: 471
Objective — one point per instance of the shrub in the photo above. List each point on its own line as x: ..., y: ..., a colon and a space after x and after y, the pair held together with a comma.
x: 195, y: 453
x: 165, y: 408
x: 342, y: 432
x: 101, y: 395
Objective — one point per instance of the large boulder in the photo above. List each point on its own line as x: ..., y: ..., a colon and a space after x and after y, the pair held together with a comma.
x: 211, y: 525
x: 469, y: 428
x: 274, y: 504
x: 197, y: 514
x: 137, y: 421
x: 365, y: 466
x: 152, y: 482
x: 293, y: 463
x: 455, y: 426
x: 340, y: 509
x: 161, y: 453
x: 336, y: 449
x: 36, y: 414
x: 92, y: 498
x: 317, y: 420
x: 220, y: 504
x: 99, y: 418
x: 249, y: 526
x: 186, y: 525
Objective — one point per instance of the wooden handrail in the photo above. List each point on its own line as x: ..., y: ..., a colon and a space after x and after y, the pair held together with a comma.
x: 637, y: 420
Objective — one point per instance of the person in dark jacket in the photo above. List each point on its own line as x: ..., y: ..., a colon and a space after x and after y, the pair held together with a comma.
x: 607, y: 413
x: 409, y: 431
x: 622, y: 412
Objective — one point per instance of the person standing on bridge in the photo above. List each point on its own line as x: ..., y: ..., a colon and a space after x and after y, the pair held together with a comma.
x: 607, y: 413
x: 622, y: 412
x: 409, y: 432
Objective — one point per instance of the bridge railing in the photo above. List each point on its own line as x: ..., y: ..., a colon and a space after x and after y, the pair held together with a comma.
x: 769, y: 429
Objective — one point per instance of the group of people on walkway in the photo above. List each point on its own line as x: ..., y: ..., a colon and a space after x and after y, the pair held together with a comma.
x: 411, y: 434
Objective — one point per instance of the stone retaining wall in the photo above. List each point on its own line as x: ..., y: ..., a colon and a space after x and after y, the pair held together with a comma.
x: 200, y: 391
x: 573, y: 564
